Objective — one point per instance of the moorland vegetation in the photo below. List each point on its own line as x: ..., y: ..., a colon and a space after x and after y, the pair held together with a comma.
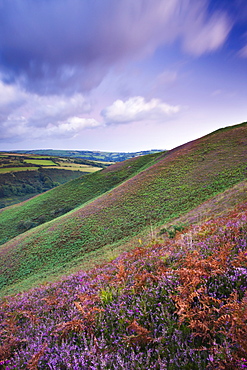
x: 173, y: 293
x: 179, y: 303
x: 162, y: 189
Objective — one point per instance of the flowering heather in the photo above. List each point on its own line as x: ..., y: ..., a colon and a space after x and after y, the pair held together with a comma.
x: 179, y: 303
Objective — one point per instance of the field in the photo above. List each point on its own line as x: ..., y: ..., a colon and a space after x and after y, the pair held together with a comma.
x: 13, y: 162
x: 40, y: 162
x: 17, y: 169
x: 17, y: 183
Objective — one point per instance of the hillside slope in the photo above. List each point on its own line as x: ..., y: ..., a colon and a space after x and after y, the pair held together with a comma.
x: 47, y: 206
x: 14, y: 186
x: 179, y: 304
x: 179, y: 181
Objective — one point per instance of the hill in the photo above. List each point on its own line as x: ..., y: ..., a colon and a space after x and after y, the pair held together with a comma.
x: 177, y: 182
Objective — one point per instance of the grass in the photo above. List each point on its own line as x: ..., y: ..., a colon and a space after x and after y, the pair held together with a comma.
x: 177, y: 182
x: 77, y: 167
x: 17, y: 169
x: 40, y: 162
x: 219, y: 205
x: 66, y: 197
x: 176, y: 304
x: 62, y: 164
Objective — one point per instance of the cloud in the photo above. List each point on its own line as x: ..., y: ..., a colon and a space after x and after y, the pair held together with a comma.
x: 23, y: 114
x: 243, y: 52
x: 205, y: 35
x: 138, y: 109
x: 70, y: 45
x: 72, y: 127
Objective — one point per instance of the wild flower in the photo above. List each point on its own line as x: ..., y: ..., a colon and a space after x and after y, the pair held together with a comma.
x: 179, y: 304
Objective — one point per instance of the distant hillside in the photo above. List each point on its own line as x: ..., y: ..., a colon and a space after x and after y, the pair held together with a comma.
x: 91, y: 155
x: 177, y: 181
x: 24, y: 175
x: 15, y: 186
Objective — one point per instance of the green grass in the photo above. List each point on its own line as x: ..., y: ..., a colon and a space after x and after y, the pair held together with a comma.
x: 76, y: 167
x: 15, y: 169
x: 40, y: 162
x: 177, y: 182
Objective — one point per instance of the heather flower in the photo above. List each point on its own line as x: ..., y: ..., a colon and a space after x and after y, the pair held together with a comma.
x: 144, y: 310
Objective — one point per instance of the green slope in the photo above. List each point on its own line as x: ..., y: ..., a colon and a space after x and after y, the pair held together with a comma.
x: 47, y: 206
x: 179, y: 181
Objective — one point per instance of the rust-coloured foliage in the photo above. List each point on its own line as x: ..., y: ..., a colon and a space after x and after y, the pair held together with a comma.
x: 33, y: 363
x: 7, y: 348
x: 140, y: 337
x: 211, y: 318
x: 70, y: 326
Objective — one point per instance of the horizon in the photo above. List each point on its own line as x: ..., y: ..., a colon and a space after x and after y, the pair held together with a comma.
x: 80, y: 150
x: 133, y: 151
x: 120, y: 77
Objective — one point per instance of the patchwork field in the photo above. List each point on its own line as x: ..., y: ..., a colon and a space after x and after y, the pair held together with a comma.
x: 13, y: 162
x: 17, y: 182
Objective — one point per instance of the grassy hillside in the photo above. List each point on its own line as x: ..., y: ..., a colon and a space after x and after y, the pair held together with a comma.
x: 16, y: 185
x: 47, y: 206
x: 179, y: 304
x: 179, y: 181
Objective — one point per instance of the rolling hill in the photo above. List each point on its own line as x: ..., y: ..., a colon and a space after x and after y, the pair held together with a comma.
x: 173, y: 304
x: 164, y: 187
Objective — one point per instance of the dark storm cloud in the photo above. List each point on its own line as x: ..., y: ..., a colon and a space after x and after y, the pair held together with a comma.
x: 56, y: 44
x: 42, y: 42
x: 53, y: 45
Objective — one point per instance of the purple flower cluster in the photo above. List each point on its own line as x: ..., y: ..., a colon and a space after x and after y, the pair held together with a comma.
x: 124, y: 315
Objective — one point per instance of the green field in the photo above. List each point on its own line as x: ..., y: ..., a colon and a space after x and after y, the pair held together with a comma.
x: 16, y: 169
x: 40, y: 162
x: 78, y: 167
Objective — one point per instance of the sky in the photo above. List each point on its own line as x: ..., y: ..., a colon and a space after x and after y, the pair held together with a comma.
x: 120, y: 75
